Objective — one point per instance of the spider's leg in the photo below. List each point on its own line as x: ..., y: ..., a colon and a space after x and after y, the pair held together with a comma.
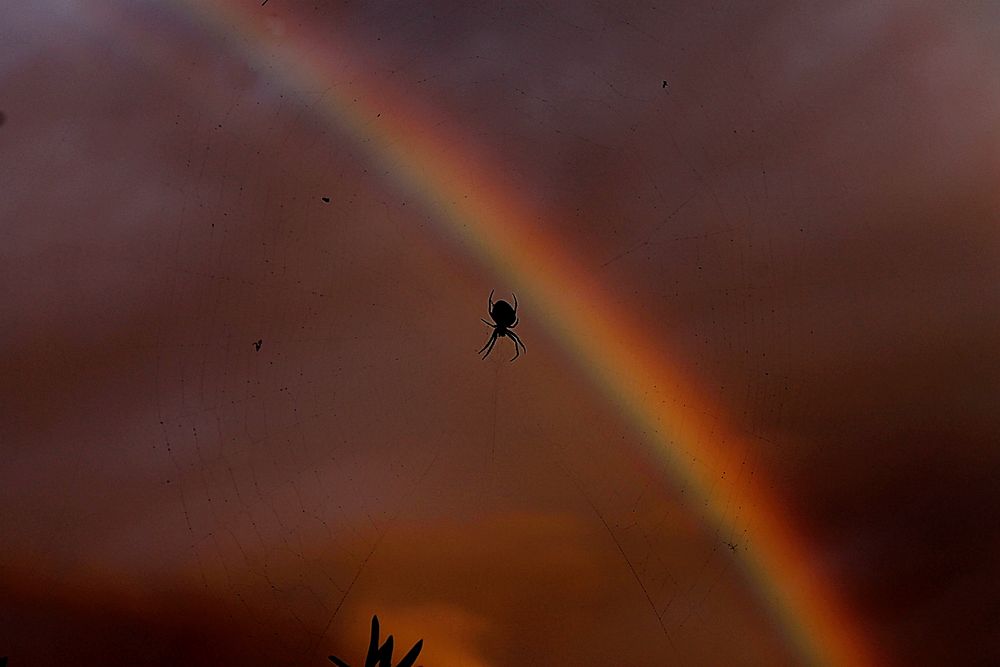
x: 517, y: 341
x: 515, y: 302
x: 491, y: 301
x: 489, y: 343
x: 487, y: 323
x: 516, y: 320
x: 493, y: 341
x: 518, y: 345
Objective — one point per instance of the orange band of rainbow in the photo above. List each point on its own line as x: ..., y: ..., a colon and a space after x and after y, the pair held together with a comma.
x: 471, y: 203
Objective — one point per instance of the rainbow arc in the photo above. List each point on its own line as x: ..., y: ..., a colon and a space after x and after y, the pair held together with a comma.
x: 471, y: 204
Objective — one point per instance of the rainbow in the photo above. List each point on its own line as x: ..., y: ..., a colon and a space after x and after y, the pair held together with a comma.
x: 472, y: 204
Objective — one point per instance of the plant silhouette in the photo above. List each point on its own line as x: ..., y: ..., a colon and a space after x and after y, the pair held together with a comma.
x: 381, y: 656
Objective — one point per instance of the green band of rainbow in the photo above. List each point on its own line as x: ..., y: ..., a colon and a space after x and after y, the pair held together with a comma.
x: 471, y: 203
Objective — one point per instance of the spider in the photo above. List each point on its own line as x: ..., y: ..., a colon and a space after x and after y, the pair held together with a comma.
x: 506, y: 319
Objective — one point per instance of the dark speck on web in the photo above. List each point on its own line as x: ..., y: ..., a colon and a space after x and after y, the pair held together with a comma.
x: 326, y: 199
x: 256, y: 346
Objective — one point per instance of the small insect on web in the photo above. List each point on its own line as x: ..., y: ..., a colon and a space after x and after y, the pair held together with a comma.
x: 505, y: 317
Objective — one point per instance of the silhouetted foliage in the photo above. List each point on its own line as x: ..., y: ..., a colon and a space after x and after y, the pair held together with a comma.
x: 381, y: 656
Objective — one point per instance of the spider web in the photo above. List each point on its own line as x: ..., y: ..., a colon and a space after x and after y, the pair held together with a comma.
x: 310, y: 407
x: 246, y: 409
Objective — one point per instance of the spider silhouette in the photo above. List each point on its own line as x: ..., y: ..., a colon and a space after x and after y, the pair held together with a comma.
x: 506, y: 319
x: 381, y: 656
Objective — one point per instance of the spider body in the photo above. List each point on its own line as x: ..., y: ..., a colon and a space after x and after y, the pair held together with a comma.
x: 503, y: 314
x: 504, y: 317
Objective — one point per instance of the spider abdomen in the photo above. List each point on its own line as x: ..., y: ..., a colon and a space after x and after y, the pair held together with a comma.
x: 503, y: 314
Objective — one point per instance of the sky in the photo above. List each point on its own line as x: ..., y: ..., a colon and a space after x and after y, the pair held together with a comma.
x: 244, y: 253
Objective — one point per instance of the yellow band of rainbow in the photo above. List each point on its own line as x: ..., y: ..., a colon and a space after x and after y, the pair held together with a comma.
x: 472, y: 204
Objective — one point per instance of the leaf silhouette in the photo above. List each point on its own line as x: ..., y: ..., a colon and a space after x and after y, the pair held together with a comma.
x: 380, y: 656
